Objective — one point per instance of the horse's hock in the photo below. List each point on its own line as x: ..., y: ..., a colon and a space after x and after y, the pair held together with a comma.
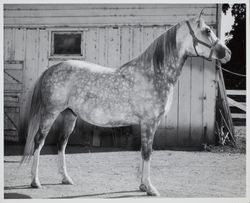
x: 109, y: 36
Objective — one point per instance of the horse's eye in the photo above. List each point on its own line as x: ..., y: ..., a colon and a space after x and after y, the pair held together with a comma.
x: 207, y: 31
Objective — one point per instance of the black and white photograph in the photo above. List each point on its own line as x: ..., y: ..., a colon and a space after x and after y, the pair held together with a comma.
x: 124, y: 100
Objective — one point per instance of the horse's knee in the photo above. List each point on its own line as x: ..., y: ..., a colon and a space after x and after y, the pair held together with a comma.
x: 147, y: 137
x: 146, y: 152
x: 146, y: 148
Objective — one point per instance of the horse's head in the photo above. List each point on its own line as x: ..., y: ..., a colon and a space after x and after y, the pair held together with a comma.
x: 201, y: 41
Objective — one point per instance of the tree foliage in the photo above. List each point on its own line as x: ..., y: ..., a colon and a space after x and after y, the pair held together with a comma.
x: 237, y: 44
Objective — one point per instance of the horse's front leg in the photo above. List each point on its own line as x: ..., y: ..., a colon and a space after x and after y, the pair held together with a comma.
x: 147, y: 137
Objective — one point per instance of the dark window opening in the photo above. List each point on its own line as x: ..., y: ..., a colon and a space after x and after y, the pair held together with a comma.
x: 66, y: 43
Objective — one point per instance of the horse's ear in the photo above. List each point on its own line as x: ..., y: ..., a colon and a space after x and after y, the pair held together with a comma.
x: 199, y: 19
x: 201, y: 13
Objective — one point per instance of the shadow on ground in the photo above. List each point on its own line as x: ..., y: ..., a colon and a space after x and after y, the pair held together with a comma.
x: 118, y: 194
x: 13, y: 150
x: 16, y: 196
x: 23, y: 187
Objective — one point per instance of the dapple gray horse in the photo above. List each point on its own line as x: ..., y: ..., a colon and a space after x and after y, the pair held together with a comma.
x: 139, y: 92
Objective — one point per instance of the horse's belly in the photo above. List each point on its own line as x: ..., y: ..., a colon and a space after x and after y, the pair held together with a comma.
x: 107, y: 117
x: 110, y: 118
x: 103, y: 100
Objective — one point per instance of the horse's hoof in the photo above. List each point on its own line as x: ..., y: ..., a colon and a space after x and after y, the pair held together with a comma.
x: 36, y: 185
x: 153, y: 192
x: 143, y: 188
x: 67, y: 181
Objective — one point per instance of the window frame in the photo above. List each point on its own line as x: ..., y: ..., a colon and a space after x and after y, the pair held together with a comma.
x: 66, y: 56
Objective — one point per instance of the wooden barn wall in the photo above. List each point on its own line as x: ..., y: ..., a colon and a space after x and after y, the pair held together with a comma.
x: 78, y: 15
x: 113, y: 35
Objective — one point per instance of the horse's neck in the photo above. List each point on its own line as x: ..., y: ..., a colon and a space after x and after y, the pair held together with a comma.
x: 163, y: 59
x: 161, y: 62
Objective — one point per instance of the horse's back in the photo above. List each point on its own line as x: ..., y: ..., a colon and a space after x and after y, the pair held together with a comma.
x: 59, y: 80
x: 92, y: 67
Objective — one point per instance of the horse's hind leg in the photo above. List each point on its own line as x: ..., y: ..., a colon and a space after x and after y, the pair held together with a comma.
x: 39, y: 142
x: 147, y: 136
x: 68, y: 124
x: 45, y: 124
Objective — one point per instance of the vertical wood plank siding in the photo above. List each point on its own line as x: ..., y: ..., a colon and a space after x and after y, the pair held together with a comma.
x: 112, y: 35
x: 184, y: 105
x: 196, y: 93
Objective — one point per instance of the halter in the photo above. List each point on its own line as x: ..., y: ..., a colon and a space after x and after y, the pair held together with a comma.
x: 196, y: 41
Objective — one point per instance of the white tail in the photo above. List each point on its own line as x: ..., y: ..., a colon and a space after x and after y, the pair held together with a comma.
x: 30, y: 120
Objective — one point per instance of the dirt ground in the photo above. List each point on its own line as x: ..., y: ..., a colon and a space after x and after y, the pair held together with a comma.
x: 116, y: 175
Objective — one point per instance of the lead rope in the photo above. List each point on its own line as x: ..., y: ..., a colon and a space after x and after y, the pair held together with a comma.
x: 238, y: 74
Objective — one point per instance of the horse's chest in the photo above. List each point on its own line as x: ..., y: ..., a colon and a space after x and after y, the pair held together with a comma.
x: 157, y: 104
x: 169, y: 100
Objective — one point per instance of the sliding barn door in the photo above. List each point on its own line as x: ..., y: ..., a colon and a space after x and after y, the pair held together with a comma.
x: 13, y: 83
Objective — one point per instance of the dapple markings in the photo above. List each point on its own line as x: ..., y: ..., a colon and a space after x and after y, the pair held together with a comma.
x: 139, y: 92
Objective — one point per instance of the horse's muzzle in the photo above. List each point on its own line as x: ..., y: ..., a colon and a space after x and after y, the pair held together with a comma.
x: 227, y: 56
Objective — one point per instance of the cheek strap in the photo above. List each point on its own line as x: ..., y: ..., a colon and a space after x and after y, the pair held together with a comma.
x: 196, y: 41
x: 212, y: 50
